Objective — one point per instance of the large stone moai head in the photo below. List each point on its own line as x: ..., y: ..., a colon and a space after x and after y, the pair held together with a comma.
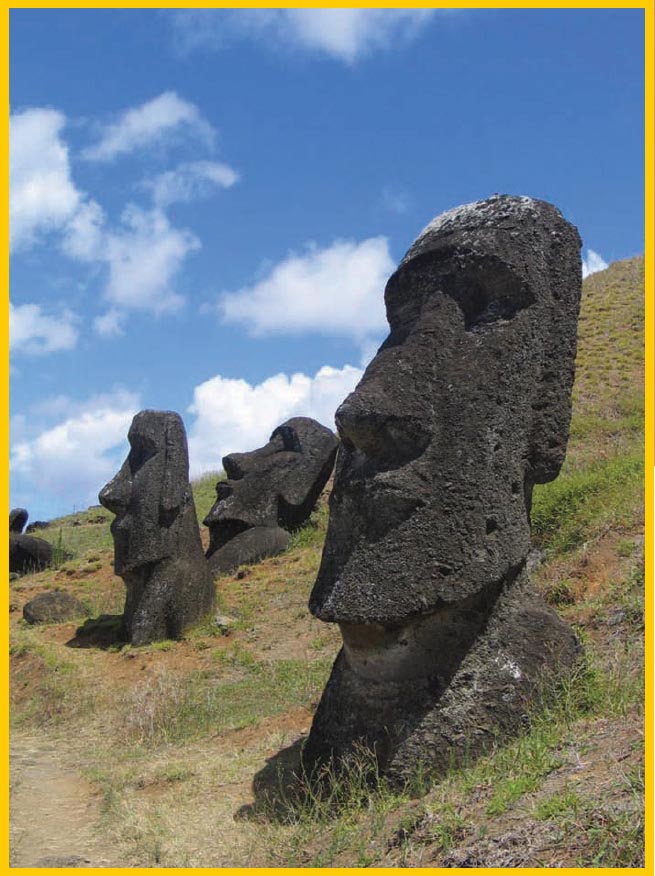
x: 157, y: 547
x: 269, y: 492
x: 464, y: 408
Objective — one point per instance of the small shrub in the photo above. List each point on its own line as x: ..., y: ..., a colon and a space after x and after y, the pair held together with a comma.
x: 560, y: 593
x: 59, y: 552
x: 164, y: 645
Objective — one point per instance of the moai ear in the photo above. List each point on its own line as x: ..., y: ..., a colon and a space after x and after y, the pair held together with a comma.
x: 552, y: 399
x: 176, y: 466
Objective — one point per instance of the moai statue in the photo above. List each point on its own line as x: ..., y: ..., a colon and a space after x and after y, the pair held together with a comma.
x: 464, y: 408
x: 17, y: 519
x: 157, y: 547
x: 28, y: 554
x: 268, y: 493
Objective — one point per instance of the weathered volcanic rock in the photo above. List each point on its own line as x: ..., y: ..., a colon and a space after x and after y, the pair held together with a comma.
x: 273, y: 488
x: 157, y: 547
x: 464, y: 408
x: 17, y: 519
x: 249, y: 546
x: 53, y: 607
x: 28, y: 554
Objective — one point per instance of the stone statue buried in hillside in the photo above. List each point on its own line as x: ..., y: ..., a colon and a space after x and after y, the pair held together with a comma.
x: 269, y: 493
x: 157, y: 547
x: 464, y: 408
x: 18, y: 517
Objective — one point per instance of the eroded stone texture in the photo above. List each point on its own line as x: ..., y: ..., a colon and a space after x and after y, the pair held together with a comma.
x: 268, y: 492
x: 28, y: 554
x: 464, y: 408
x: 157, y: 547
x: 17, y: 519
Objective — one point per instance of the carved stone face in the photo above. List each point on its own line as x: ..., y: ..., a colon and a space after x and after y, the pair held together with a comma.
x: 275, y: 485
x: 463, y: 409
x: 148, y: 492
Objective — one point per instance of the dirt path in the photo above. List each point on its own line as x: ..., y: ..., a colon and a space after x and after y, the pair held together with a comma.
x: 54, y: 813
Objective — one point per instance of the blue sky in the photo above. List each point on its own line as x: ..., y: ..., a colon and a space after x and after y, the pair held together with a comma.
x: 205, y: 205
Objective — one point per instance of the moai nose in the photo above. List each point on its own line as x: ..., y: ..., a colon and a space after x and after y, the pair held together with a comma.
x: 223, y: 491
x: 115, y: 496
x: 381, y: 435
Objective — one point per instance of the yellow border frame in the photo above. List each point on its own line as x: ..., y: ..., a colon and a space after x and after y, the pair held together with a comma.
x: 649, y: 225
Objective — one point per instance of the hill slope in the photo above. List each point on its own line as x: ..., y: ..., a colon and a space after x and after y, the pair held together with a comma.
x: 165, y: 740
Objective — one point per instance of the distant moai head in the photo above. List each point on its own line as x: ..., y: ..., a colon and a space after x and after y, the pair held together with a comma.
x: 150, y: 491
x: 275, y: 485
x: 17, y: 519
x: 464, y: 408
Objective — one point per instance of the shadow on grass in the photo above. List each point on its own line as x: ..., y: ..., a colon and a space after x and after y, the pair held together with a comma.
x: 278, y: 787
x: 98, y: 632
x: 287, y: 793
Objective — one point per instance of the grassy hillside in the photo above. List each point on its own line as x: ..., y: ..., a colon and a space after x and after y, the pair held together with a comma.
x: 186, y: 747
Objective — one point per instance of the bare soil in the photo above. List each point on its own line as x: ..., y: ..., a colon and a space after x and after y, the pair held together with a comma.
x: 55, y: 813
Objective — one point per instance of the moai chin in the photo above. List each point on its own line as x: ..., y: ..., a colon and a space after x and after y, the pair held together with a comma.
x: 157, y: 547
x: 464, y: 408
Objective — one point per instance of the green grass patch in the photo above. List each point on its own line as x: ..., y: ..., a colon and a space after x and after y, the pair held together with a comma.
x: 312, y: 534
x: 334, y: 812
x: 58, y: 694
x: 204, y: 492
x: 571, y: 509
x: 616, y: 839
x: 73, y: 537
x: 561, y: 805
x: 172, y: 708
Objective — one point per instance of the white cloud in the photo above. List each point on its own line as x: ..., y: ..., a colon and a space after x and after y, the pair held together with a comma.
x: 334, y: 291
x: 142, y: 255
x: 143, y: 259
x: 150, y: 123
x: 232, y: 415
x: 72, y: 460
x: 42, y: 196
x: 191, y: 181
x: 593, y: 263
x: 344, y: 34
x: 34, y: 332
x: 83, y: 234
x: 110, y: 324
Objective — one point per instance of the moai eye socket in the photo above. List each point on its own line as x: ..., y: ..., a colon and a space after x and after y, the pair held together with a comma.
x: 486, y: 289
x: 392, y: 441
x: 289, y: 437
x: 141, y: 450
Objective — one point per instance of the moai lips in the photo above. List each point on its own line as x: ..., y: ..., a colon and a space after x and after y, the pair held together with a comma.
x: 464, y: 408
x: 157, y: 547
